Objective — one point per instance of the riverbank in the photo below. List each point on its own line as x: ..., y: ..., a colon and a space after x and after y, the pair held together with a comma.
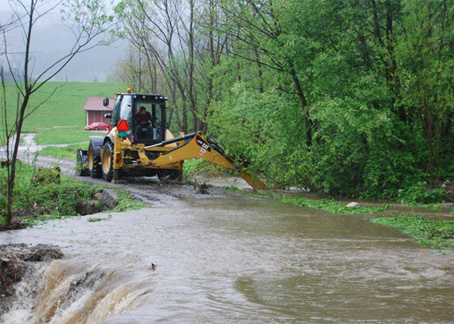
x: 432, y: 232
x: 43, y: 194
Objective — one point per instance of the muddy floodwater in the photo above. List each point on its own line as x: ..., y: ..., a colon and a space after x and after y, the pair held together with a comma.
x: 232, y: 259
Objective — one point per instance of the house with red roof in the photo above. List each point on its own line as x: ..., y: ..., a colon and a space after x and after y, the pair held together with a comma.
x: 95, y: 110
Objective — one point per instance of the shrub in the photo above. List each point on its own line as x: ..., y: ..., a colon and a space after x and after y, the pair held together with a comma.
x: 45, y: 192
x: 420, y: 194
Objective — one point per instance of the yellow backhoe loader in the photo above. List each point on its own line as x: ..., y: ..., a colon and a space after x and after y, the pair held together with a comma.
x: 148, y: 149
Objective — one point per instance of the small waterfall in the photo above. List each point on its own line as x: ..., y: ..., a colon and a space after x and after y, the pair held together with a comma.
x: 70, y: 292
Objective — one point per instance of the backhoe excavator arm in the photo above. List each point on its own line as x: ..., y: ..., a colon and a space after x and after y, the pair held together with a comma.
x: 196, y: 145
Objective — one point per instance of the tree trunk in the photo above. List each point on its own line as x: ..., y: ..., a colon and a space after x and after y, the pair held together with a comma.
x: 303, y: 103
x: 259, y: 64
x: 210, y: 81
x: 192, y: 101
x: 429, y: 143
x: 13, y: 163
x: 391, y: 76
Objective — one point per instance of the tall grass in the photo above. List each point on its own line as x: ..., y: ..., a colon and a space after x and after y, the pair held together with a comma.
x: 437, y: 233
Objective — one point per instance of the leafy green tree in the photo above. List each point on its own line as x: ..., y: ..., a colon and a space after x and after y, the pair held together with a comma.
x: 350, y: 98
x: 425, y: 57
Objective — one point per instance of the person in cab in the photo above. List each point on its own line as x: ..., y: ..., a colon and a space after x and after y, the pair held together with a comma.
x: 144, y: 124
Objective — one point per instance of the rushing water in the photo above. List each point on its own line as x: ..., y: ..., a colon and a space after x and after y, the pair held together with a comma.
x: 228, y: 260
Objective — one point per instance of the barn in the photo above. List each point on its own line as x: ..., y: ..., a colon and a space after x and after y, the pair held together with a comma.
x: 95, y: 110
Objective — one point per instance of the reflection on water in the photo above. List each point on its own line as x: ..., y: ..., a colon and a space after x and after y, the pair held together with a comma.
x: 235, y: 259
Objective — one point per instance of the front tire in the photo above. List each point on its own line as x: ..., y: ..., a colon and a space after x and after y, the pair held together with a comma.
x: 107, y: 162
x: 94, y: 168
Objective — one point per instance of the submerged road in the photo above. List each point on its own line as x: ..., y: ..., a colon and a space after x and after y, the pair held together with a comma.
x: 228, y: 258
x: 225, y: 258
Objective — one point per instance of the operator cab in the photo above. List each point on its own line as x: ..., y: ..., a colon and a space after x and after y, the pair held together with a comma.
x: 128, y: 106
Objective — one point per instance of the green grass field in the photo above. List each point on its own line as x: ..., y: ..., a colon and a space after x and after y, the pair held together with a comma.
x: 61, y: 119
x: 67, y: 152
x: 64, y: 136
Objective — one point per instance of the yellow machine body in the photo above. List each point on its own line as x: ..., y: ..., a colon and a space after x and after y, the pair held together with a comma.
x: 173, y: 155
x: 124, y: 151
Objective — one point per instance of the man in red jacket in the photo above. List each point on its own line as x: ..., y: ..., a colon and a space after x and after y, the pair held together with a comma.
x: 144, y: 123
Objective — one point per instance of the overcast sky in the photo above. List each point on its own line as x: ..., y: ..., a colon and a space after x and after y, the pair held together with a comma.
x: 51, y: 40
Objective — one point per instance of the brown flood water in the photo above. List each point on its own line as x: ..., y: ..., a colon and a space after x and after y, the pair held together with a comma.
x: 233, y: 259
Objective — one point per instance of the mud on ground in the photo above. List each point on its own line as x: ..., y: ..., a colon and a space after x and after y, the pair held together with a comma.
x: 155, y: 193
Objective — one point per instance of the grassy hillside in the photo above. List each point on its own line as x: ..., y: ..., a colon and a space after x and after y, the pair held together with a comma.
x: 61, y: 119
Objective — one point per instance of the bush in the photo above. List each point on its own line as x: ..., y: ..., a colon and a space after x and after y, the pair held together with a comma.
x: 45, y: 176
x: 45, y: 192
x: 356, y: 150
x: 60, y: 198
x: 420, y: 194
x: 193, y: 167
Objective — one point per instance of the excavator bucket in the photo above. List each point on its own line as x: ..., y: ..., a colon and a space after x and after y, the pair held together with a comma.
x: 196, y: 145
x: 254, y: 182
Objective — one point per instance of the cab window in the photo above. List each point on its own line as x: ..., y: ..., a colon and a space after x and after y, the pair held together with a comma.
x: 156, y: 111
x: 116, y: 112
x: 126, y: 110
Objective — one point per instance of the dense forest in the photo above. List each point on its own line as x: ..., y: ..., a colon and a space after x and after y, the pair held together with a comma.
x: 345, y: 97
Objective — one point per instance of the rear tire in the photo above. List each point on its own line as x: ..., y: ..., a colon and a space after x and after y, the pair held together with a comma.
x: 107, y: 162
x: 94, y: 167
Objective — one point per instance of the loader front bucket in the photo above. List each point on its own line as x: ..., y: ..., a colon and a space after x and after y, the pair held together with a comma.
x: 82, y: 163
